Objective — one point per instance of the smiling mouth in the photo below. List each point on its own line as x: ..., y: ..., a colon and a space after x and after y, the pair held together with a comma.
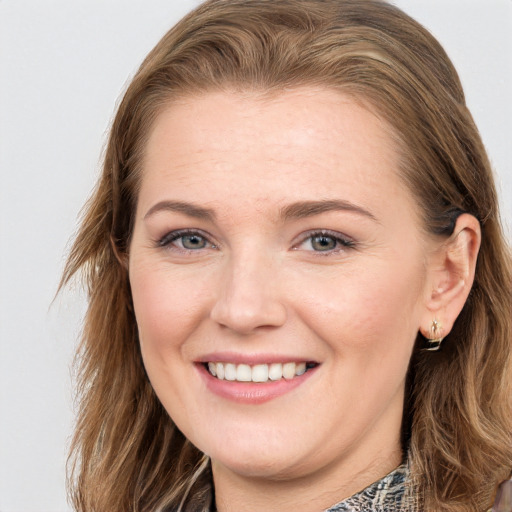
x: 258, y: 372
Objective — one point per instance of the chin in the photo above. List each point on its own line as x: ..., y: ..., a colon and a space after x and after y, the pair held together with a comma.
x: 252, y: 457
x: 252, y: 465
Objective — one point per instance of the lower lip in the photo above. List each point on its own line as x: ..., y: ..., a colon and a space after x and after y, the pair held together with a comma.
x: 252, y: 392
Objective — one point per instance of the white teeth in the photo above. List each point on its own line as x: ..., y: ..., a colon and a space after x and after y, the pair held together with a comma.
x: 260, y: 373
x: 219, y: 369
x: 230, y: 371
x: 275, y: 372
x: 289, y: 370
x: 212, y: 368
x: 256, y: 373
x: 243, y: 373
x: 300, y: 368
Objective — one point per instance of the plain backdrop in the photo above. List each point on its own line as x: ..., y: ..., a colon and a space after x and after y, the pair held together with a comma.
x: 63, y: 65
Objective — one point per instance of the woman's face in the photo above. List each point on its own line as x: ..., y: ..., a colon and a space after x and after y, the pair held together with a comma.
x: 274, y: 242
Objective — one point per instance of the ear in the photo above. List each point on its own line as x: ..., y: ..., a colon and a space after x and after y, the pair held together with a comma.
x: 451, y: 271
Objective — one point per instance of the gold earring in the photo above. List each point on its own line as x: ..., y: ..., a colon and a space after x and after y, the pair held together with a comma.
x: 435, y: 339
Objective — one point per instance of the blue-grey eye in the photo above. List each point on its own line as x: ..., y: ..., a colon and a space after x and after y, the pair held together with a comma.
x: 185, y: 240
x: 323, y: 243
x: 193, y: 242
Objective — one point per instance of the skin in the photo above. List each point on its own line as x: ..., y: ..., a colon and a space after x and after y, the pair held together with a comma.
x: 257, y: 284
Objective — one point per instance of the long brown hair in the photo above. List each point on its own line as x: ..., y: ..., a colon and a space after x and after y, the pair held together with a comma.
x: 126, y: 453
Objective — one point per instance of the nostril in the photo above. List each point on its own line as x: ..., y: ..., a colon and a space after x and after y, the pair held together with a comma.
x: 249, y: 315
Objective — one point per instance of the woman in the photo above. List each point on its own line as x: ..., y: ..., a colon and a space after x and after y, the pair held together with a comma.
x: 299, y: 287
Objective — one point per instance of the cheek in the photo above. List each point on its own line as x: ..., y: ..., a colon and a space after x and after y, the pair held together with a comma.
x: 369, y: 307
x: 167, y: 307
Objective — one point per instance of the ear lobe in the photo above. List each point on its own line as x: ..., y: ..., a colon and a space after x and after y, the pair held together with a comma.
x: 452, y: 271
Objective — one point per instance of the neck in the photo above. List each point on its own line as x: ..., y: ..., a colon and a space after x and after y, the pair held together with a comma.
x: 310, y: 492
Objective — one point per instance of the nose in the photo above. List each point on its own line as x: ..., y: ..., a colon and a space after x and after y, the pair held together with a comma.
x: 249, y: 295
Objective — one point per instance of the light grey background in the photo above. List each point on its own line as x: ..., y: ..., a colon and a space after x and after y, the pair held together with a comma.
x: 63, y: 65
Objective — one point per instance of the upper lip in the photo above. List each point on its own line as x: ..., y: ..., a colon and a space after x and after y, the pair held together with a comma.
x: 252, y: 359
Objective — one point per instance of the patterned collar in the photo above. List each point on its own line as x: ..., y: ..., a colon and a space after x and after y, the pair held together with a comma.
x: 385, y: 495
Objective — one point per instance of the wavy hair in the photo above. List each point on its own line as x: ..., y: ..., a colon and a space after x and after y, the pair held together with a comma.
x: 126, y: 453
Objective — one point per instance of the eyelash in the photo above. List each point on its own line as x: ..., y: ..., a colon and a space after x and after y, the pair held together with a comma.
x: 173, y: 236
x: 342, y: 242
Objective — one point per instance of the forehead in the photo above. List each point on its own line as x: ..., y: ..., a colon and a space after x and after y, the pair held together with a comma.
x: 281, y: 147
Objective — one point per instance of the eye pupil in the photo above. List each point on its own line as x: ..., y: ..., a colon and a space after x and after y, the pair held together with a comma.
x: 193, y: 242
x: 323, y: 243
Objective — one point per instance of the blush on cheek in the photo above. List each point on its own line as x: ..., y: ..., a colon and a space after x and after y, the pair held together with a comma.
x: 165, y: 315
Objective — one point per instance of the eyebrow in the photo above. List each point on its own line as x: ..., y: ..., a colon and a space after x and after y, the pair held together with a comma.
x: 304, y: 209
x: 189, y: 209
x: 299, y: 210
